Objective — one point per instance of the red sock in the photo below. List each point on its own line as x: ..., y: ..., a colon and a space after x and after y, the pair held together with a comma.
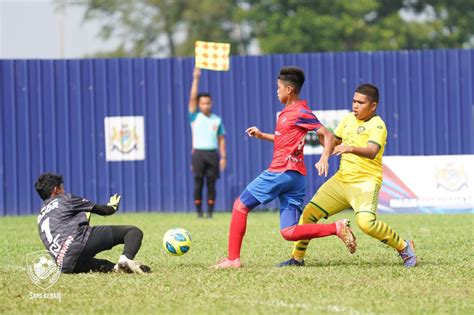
x: 238, y: 226
x: 308, y: 231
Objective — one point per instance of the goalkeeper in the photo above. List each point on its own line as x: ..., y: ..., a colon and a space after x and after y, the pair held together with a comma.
x: 64, y: 229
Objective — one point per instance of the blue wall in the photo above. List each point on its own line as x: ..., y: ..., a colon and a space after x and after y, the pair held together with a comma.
x: 52, y: 118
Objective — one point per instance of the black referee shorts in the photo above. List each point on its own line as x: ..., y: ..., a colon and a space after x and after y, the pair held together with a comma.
x: 206, y: 163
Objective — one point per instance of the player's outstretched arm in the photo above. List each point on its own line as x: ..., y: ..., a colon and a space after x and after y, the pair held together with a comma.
x: 255, y: 132
x: 370, y: 151
x: 110, y: 208
x: 193, y: 94
x: 326, y: 138
x: 102, y: 210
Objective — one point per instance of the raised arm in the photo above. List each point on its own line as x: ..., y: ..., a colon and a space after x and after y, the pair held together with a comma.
x: 255, y: 132
x: 193, y: 99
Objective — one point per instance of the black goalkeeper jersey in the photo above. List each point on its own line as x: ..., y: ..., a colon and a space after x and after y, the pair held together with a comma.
x: 64, y: 228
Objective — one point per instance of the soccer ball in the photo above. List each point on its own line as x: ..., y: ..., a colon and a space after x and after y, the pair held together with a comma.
x: 177, y: 241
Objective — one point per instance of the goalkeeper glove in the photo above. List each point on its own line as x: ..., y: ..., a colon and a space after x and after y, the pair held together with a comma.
x: 114, y: 201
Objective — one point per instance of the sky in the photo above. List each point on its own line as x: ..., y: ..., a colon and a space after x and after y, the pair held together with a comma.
x: 32, y: 29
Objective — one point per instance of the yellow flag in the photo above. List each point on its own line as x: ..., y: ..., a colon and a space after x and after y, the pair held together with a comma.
x: 212, y: 56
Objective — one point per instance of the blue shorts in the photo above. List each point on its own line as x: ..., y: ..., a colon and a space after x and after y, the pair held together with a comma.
x: 288, y: 186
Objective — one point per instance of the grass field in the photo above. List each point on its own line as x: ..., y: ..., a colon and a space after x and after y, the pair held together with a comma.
x: 372, y: 281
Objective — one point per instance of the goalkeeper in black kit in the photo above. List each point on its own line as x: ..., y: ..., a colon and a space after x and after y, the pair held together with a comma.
x: 64, y: 229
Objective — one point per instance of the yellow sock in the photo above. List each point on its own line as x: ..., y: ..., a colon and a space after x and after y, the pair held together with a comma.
x: 368, y: 223
x: 311, y: 214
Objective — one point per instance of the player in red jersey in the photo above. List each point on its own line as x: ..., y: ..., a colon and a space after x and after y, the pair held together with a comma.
x: 285, y: 176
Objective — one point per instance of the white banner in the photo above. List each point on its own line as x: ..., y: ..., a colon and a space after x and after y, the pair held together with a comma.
x: 124, y: 138
x: 330, y: 119
x: 428, y: 184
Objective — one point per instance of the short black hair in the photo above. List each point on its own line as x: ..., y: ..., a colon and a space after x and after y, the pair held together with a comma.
x: 203, y: 94
x: 369, y: 90
x: 45, y: 184
x: 293, y: 76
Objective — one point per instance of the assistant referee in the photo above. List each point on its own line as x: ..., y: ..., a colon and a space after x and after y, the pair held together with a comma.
x: 208, y: 138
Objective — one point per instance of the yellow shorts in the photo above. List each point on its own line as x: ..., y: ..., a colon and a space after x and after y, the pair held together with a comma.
x: 334, y: 196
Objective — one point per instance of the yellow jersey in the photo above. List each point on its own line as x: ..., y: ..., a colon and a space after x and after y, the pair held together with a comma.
x: 359, y: 133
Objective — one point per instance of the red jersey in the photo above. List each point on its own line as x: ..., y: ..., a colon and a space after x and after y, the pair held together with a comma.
x: 292, y: 126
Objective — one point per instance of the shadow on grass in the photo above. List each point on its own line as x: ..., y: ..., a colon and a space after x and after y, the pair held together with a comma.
x: 344, y: 263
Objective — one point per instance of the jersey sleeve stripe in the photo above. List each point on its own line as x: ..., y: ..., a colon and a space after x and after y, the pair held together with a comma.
x: 308, y: 121
x: 305, y: 111
x: 192, y: 116
x: 376, y: 143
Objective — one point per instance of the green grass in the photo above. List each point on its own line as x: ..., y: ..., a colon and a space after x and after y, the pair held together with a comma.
x: 372, y: 281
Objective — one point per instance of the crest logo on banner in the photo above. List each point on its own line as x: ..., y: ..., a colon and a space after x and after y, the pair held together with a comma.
x: 427, y: 184
x: 451, y: 177
x: 124, y: 138
x: 42, y: 269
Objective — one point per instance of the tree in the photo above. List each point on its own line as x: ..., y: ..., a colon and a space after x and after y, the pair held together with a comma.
x: 170, y: 27
x: 164, y: 27
x: 456, y: 18
x: 284, y: 26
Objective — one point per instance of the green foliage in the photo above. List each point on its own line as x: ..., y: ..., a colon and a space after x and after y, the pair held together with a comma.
x: 170, y: 27
x: 283, y: 26
x: 151, y: 27
x: 372, y: 281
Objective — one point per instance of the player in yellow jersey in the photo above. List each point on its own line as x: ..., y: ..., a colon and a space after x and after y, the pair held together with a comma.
x: 360, y: 140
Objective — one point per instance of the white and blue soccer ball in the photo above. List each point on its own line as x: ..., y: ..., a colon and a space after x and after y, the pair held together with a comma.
x: 177, y: 241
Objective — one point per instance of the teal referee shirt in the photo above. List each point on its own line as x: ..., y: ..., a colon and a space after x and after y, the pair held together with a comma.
x: 206, y: 130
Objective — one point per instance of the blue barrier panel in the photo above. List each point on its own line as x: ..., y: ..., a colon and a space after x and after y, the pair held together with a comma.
x: 52, y: 118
